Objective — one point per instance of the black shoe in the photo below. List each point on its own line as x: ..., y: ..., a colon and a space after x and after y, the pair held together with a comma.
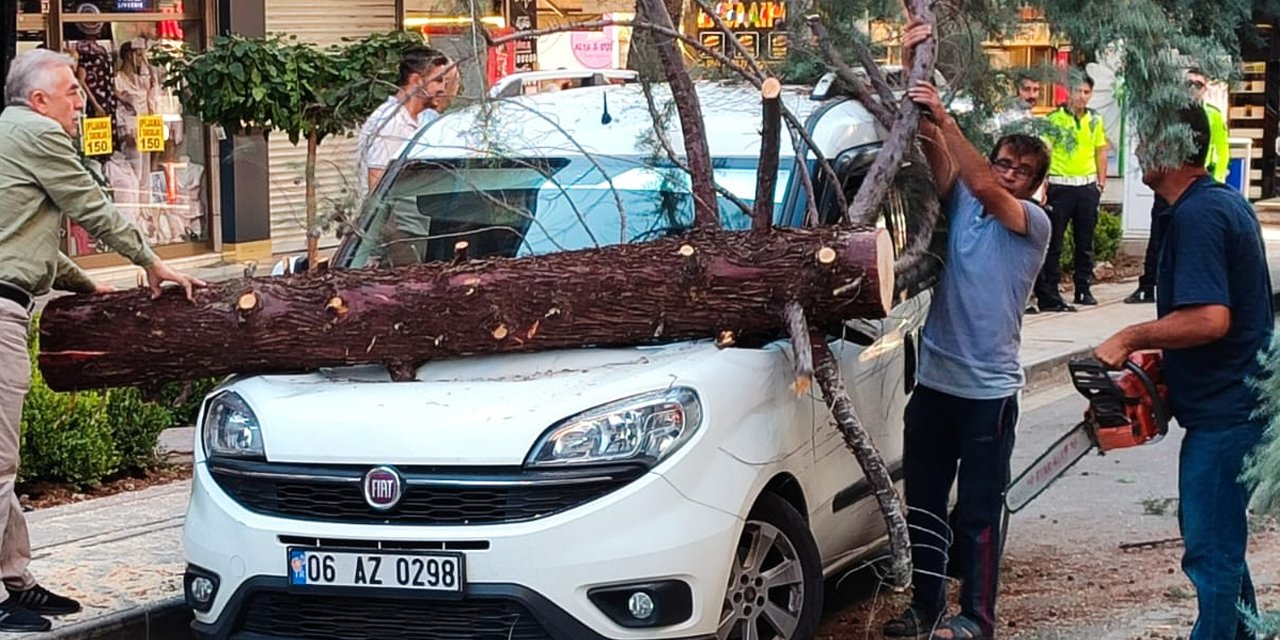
x: 1059, y: 306
x: 15, y: 618
x: 1085, y: 298
x: 1141, y: 296
x: 40, y: 600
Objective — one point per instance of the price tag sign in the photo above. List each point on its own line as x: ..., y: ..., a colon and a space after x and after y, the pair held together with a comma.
x: 95, y: 134
x: 150, y: 134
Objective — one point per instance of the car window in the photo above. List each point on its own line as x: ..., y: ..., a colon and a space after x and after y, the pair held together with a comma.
x: 530, y: 207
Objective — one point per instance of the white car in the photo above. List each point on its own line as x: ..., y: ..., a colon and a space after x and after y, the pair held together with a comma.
x: 654, y: 492
x: 531, y: 82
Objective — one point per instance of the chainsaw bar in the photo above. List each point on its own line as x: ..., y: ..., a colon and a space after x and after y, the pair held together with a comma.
x: 1048, y: 467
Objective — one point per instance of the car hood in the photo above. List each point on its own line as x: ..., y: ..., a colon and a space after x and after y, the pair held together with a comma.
x: 475, y: 411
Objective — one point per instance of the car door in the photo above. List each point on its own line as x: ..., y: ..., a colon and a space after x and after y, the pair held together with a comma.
x: 878, y: 360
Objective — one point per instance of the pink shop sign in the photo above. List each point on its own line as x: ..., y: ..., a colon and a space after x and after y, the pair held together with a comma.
x: 594, y: 49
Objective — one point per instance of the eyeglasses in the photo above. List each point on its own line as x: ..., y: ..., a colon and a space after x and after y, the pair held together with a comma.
x: 1004, y: 166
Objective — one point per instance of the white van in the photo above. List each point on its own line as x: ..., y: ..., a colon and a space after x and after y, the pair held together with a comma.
x: 654, y: 492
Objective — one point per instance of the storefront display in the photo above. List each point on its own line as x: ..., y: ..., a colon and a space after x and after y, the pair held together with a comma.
x: 150, y: 157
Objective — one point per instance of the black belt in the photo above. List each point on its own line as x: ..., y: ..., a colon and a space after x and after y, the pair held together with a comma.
x: 16, y: 294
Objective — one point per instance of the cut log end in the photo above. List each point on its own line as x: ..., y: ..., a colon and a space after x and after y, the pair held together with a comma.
x: 687, y: 250
x: 884, y: 268
x: 248, y: 301
x: 726, y: 339
x: 802, y: 385
x: 501, y: 332
x: 460, y: 251
x: 827, y: 256
x: 770, y: 89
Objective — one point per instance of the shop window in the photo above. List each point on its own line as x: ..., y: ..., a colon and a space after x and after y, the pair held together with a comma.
x: 135, y: 137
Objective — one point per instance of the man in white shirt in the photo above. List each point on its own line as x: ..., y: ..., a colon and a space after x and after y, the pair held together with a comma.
x: 428, y: 82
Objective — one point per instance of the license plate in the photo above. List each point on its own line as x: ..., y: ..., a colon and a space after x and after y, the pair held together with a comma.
x: 428, y: 571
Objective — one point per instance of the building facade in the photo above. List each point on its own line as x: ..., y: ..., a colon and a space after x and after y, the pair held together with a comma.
x: 196, y: 193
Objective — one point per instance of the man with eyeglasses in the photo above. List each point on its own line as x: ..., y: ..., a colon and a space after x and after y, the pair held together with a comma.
x: 1077, y: 178
x: 959, y: 423
x: 1216, y: 162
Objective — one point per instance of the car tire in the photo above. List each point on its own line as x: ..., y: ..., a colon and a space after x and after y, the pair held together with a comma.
x: 791, y: 609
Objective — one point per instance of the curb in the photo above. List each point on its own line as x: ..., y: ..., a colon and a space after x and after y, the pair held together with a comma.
x: 130, y: 623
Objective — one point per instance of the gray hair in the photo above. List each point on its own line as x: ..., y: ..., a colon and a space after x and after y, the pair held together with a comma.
x: 33, y: 71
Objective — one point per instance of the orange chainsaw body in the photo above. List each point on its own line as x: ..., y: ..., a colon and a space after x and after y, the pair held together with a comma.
x: 1126, y: 408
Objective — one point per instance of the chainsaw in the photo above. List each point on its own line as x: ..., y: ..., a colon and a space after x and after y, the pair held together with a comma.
x: 1127, y: 408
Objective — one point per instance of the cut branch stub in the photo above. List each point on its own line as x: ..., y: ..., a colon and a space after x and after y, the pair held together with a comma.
x: 460, y: 251
x: 650, y: 293
x: 248, y: 301
x: 770, y: 139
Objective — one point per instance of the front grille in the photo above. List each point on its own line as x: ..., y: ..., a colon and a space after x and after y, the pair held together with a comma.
x: 431, y: 496
x: 345, y: 618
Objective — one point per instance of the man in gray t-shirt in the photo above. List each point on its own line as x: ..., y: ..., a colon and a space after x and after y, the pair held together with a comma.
x: 961, y: 417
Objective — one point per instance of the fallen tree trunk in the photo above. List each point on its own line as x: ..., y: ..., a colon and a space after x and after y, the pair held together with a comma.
x: 706, y: 283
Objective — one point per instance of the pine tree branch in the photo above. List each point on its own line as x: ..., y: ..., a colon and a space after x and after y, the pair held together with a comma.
x: 880, y: 109
x: 874, y: 469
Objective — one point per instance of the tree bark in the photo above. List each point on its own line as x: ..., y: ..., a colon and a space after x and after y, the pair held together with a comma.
x: 873, y: 466
x: 801, y: 346
x: 706, y: 213
x: 313, y: 234
x: 695, y: 286
x: 770, y: 140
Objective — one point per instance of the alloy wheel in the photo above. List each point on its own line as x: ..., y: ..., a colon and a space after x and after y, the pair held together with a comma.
x: 766, y: 591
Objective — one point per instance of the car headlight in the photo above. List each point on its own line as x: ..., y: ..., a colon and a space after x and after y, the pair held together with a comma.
x: 645, y: 428
x: 231, y: 429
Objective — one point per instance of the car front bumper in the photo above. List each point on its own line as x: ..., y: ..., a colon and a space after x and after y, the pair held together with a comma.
x: 644, y: 532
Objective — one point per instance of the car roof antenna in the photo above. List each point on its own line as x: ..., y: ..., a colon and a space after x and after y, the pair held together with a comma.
x: 605, y: 118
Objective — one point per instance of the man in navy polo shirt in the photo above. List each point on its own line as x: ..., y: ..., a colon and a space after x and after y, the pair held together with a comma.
x: 1213, y: 302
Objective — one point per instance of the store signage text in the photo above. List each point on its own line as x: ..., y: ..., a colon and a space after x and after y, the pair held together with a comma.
x: 95, y: 133
x: 743, y: 15
x: 150, y: 134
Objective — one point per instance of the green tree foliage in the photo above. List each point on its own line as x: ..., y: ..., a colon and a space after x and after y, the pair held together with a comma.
x: 260, y: 85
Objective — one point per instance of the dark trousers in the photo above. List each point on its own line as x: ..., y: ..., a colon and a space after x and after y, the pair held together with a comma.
x: 1213, y: 516
x: 1079, y: 207
x: 944, y: 432
x: 1159, y: 221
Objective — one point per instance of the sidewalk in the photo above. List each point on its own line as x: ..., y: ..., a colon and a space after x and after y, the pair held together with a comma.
x: 122, y: 555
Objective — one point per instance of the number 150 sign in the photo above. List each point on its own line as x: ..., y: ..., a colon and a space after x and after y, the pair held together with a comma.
x: 95, y: 135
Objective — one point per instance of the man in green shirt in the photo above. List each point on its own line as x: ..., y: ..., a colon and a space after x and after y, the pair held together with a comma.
x: 43, y: 183
x: 1216, y: 162
x: 1077, y: 177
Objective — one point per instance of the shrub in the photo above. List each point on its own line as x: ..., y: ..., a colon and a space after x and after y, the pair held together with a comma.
x: 135, y: 428
x: 1106, y: 240
x: 65, y: 437
x: 86, y: 437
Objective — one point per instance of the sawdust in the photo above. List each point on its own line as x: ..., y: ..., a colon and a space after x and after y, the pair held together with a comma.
x: 1068, y: 587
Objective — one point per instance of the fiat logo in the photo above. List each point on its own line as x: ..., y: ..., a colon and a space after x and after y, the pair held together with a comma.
x: 383, y: 488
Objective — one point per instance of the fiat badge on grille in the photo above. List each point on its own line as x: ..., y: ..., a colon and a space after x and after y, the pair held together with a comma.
x: 383, y: 488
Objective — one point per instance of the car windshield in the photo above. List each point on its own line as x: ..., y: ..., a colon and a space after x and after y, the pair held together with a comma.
x: 526, y: 207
